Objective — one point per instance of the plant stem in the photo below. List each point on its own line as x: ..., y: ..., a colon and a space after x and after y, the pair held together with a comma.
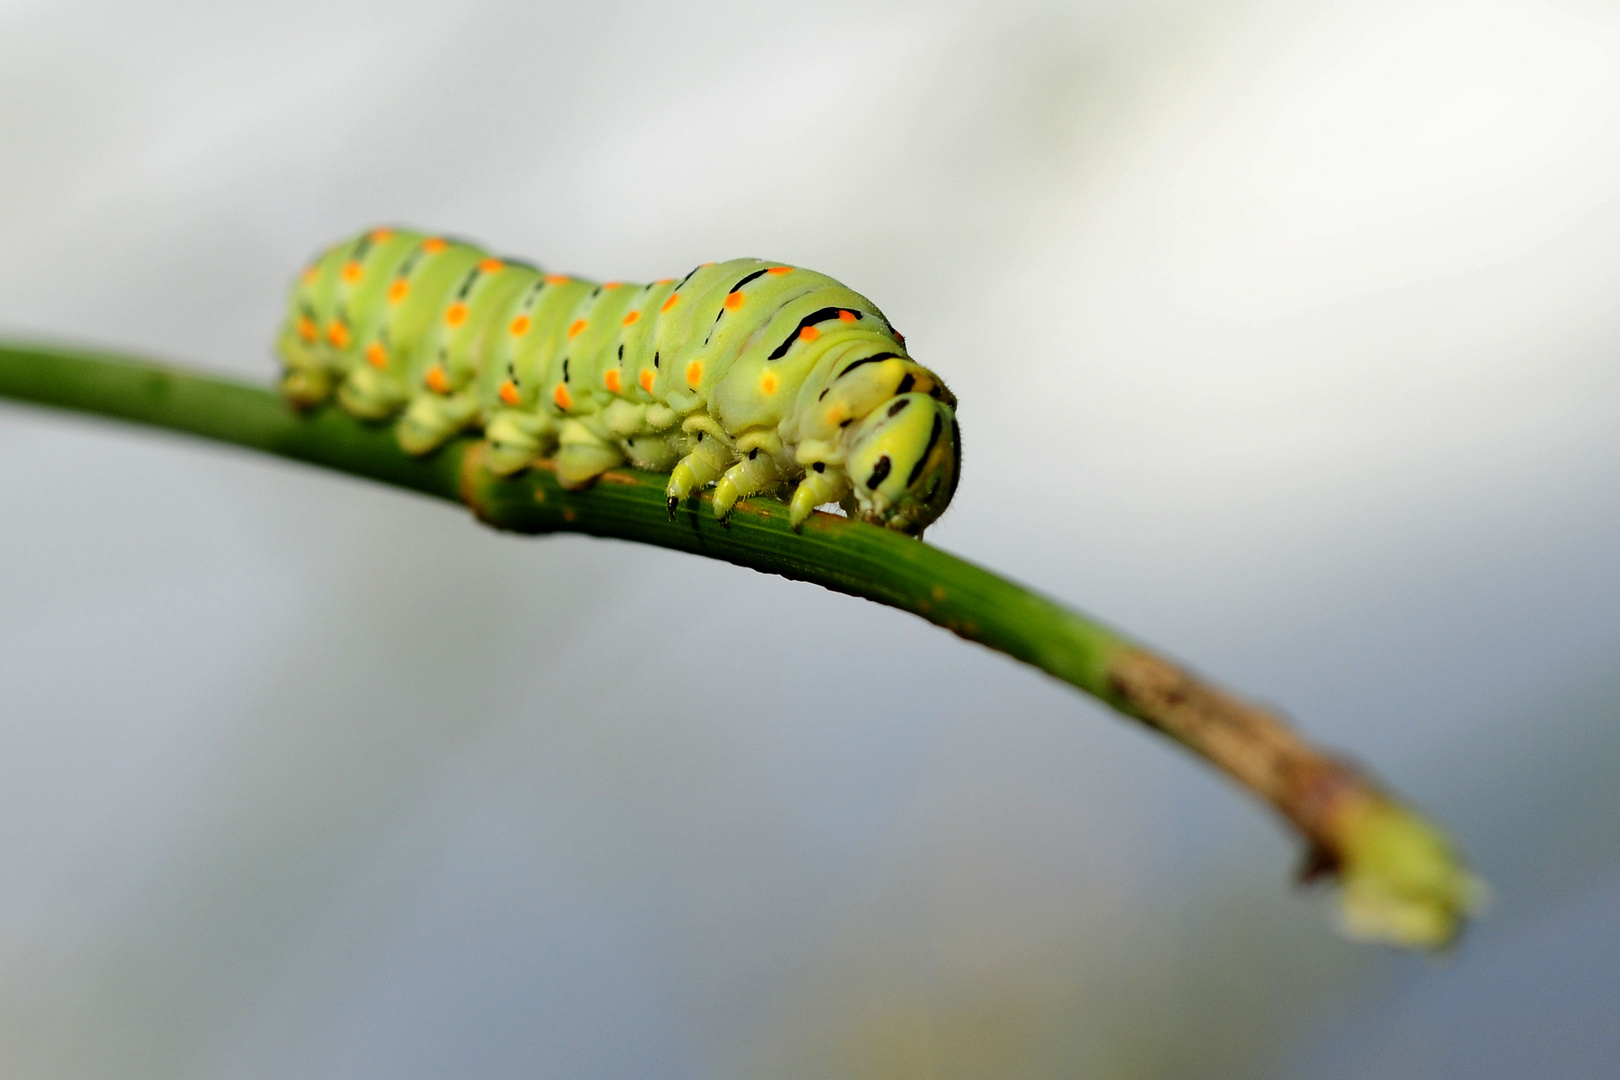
x: 1403, y: 882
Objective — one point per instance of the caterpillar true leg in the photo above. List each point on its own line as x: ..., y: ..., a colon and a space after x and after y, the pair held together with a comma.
x: 706, y: 463
x: 820, y: 485
x: 762, y: 468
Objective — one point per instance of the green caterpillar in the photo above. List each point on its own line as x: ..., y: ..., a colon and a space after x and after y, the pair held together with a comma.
x: 748, y: 375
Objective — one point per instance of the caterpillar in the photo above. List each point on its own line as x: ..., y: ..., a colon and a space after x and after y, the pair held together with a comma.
x: 748, y: 375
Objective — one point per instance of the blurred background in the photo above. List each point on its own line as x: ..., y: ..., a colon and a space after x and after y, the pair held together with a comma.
x: 1286, y: 337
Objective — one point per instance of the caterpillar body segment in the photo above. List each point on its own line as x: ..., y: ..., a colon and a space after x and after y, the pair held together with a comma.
x: 751, y: 376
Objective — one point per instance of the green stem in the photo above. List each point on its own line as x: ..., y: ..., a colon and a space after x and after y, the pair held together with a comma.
x: 1402, y: 880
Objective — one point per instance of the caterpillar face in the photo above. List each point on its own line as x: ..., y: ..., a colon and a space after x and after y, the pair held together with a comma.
x: 903, y: 461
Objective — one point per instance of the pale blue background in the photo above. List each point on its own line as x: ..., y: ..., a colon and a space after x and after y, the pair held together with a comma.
x: 1287, y: 337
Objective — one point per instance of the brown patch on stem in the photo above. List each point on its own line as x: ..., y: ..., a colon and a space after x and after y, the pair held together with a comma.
x: 1249, y: 743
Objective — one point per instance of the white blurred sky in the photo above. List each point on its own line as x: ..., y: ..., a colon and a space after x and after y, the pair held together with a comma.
x: 1285, y: 338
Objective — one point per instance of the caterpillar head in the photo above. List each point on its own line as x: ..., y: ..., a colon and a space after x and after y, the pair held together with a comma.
x: 903, y: 461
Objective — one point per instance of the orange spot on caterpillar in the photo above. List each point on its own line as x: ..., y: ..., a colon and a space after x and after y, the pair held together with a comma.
x: 694, y: 373
x: 558, y: 279
x: 337, y: 334
x: 455, y: 314
x: 664, y: 281
x: 509, y: 393
x: 673, y: 297
x: 491, y: 266
x: 437, y: 380
x: 611, y: 379
x: 307, y: 329
x: 734, y: 301
x: 577, y: 328
x: 768, y: 383
x: 434, y: 244
x: 564, y: 402
x: 520, y: 326
x: 646, y: 379
x: 809, y: 334
x: 609, y: 286
x: 351, y: 271
x: 378, y: 236
x: 632, y: 318
x: 778, y: 271
x: 310, y: 274
x: 847, y: 316
x: 397, y: 291
x: 376, y: 355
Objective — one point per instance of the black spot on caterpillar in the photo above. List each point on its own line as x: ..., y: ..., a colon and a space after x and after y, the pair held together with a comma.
x: 880, y: 472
